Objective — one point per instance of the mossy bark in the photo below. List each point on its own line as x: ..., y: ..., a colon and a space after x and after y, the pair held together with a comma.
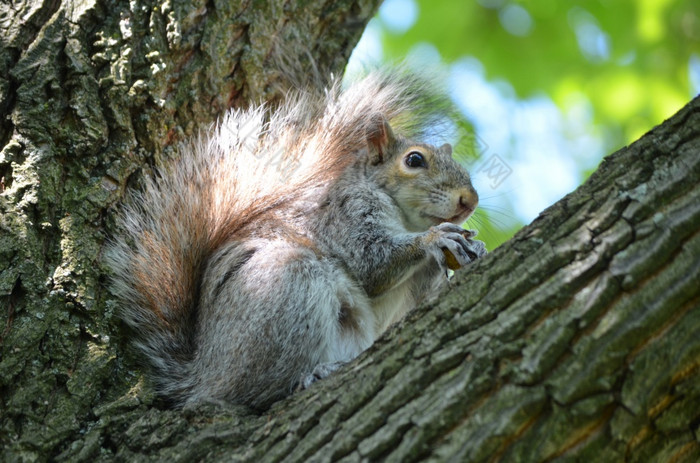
x: 576, y: 340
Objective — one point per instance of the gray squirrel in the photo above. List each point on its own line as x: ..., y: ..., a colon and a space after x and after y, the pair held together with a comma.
x: 283, y: 242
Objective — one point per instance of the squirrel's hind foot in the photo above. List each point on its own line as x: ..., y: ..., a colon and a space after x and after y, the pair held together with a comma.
x: 319, y: 372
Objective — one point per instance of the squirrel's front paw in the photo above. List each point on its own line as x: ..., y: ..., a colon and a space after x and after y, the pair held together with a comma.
x: 457, y: 246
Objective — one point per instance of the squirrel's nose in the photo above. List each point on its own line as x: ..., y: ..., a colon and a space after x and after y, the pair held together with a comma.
x: 468, y: 200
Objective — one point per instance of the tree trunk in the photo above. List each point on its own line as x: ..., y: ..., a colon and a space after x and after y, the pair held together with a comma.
x: 576, y: 340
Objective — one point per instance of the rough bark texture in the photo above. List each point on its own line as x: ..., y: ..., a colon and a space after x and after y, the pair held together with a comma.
x: 575, y: 341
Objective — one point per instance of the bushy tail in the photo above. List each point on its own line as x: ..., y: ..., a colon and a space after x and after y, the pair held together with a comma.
x: 253, y: 161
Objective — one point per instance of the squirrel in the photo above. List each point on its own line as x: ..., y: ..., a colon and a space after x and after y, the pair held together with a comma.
x: 283, y: 242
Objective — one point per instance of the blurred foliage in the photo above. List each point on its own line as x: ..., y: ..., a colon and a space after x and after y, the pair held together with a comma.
x: 629, y: 58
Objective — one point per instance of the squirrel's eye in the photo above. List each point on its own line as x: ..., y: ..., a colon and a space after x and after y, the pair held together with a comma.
x: 415, y: 159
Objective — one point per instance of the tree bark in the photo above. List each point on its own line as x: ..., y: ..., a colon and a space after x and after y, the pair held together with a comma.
x: 576, y: 340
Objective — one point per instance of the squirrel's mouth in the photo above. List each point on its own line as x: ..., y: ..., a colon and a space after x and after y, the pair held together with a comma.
x: 462, y: 216
x: 462, y: 213
x: 457, y: 219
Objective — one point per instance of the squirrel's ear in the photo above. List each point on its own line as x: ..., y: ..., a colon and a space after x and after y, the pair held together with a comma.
x: 379, y: 138
x: 447, y: 148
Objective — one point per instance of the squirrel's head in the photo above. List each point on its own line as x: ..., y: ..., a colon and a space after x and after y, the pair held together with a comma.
x: 427, y: 184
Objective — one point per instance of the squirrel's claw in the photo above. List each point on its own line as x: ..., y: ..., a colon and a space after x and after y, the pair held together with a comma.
x: 458, y: 247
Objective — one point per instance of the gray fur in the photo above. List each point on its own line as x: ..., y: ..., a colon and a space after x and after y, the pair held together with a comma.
x: 283, y: 243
